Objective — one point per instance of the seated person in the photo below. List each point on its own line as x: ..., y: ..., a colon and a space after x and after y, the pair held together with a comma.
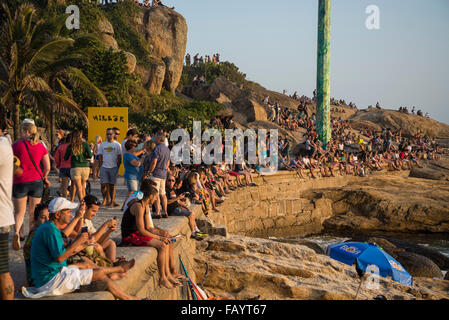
x: 49, y: 271
x: 138, y: 230
x: 176, y: 206
x: 158, y: 3
x: 108, y: 247
x: 41, y: 215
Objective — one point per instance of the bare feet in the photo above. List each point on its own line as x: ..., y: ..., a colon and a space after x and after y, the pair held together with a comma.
x: 128, y: 265
x: 165, y: 283
x: 175, y: 282
x: 117, y: 276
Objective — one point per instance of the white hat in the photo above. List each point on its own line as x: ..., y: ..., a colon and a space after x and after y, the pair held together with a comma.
x: 29, y: 121
x: 58, y: 204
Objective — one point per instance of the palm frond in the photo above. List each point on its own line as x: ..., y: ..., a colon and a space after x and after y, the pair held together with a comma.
x: 79, y: 79
x: 48, y: 54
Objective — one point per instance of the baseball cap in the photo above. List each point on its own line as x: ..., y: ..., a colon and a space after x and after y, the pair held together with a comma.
x: 27, y: 120
x: 58, y: 204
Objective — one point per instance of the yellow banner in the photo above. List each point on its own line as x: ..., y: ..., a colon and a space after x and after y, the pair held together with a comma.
x: 102, y: 118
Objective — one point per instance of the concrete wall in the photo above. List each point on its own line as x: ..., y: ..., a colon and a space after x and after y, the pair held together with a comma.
x: 277, y: 207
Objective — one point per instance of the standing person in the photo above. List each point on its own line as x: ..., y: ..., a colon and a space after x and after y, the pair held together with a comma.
x: 132, y: 134
x: 110, y: 157
x: 96, y: 164
x: 63, y: 166
x: 79, y: 153
x: 133, y: 167
x: 116, y: 133
x: 160, y: 160
x: 30, y: 185
x: 6, y: 214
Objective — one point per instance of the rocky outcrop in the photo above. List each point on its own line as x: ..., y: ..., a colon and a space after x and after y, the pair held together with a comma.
x: 152, y: 75
x: 246, y: 268
x: 409, y: 123
x: 389, y: 204
x: 433, y: 170
x: 244, y: 103
x: 166, y: 32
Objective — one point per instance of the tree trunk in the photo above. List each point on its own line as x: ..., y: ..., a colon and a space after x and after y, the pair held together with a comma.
x: 16, y: 119
x: 52, y: 129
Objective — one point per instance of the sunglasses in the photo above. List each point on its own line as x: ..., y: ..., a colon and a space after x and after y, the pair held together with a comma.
x: 171, y: 180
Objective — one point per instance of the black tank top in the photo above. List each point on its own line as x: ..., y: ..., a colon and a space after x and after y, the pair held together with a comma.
x: 128, y: 225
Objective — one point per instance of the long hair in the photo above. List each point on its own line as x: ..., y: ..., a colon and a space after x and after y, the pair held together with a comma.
x: 77, y: 143
x: 29, y: 132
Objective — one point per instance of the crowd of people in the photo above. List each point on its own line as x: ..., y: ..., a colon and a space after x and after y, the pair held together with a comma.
x: 348, y: 152
x: 197, y: 59
x: 65, y: 253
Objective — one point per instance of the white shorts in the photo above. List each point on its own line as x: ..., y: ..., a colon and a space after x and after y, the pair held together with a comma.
x: 160, y: 185
x: 67, y: 280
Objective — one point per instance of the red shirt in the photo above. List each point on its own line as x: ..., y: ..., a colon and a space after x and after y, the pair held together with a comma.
x: 59, y: 157
x: 37, y: 151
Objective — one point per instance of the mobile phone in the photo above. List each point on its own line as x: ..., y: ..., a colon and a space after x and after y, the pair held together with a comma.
x: 83, y: 229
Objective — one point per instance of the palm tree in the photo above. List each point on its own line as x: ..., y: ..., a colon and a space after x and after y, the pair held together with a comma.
x: 34, y: 66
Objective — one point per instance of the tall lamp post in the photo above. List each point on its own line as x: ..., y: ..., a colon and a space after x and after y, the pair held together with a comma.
x: 323, y: 72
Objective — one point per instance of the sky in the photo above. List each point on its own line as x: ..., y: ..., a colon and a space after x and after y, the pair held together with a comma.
x: 404, y: 63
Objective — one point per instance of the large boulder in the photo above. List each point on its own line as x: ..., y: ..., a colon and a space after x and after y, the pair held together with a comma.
x: 418, y: 266
x: 166, y: 33
x: 433, y: 170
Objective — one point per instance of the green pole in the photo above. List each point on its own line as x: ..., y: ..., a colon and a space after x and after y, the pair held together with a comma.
x: 323, y: 72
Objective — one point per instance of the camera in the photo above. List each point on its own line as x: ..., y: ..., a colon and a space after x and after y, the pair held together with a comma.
x: 83, y: 229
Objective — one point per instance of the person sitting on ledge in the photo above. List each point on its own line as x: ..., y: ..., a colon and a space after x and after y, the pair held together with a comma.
x: 138, y: 230
x: 177, y: 206
x: 158, y: 3
x: 49, y: 271
x: 105, y: 246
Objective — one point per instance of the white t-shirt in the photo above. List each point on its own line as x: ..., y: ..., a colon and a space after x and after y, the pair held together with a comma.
x: 6, y: 176
x: 123, y: 146
x: 90, y: 226
x: 110, y: 152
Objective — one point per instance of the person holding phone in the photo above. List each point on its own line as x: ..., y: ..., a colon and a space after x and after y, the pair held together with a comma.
x: 176, y: 206
x: 101, y: 236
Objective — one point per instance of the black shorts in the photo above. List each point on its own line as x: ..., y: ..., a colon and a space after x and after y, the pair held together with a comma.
x: 33, y: 189
x: 64, y: 173
x: 4, y: 253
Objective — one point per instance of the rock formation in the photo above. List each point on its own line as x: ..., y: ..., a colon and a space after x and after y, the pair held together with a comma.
x: 245, y: 268
x: 409, y: 123
x: 166, y: 32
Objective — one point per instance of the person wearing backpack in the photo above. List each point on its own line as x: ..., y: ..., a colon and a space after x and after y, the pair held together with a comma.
x: 30, y: 185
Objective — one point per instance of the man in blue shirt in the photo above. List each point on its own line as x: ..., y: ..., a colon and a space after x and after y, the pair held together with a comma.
x: 160, y: 161
x: 49, y: 270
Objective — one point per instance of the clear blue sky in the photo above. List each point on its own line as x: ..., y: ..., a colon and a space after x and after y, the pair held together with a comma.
x: 274, y: 43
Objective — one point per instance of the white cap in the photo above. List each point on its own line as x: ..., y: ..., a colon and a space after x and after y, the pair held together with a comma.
x: 29, y: 121
x: 58, y: 204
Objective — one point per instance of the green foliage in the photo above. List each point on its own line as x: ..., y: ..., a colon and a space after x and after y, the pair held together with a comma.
x: 212, y: 71
x: 128, y: 38
x: 170, y: 119
x: 108, y: 71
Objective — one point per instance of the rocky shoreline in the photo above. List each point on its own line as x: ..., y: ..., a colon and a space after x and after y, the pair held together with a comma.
x: 252, y: 268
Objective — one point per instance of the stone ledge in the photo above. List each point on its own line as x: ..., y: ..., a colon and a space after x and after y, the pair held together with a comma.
x: 146, y: 259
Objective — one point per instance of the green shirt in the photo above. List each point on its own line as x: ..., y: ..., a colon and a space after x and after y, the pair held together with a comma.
x: 79, y: 161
